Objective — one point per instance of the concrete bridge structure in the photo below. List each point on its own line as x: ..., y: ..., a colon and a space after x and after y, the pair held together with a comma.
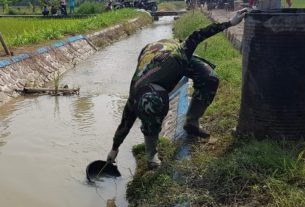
x: 158, y: 14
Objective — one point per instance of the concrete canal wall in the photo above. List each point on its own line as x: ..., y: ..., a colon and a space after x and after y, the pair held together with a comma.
x: 41, y: 66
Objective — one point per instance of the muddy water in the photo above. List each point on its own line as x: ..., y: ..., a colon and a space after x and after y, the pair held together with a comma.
x: 46, y: 142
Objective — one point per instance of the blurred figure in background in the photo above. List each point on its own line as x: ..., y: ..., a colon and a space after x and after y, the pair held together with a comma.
x: 45, y: 11
x: 72, y: 6
x: 53, y: 10
x: 63, y: 7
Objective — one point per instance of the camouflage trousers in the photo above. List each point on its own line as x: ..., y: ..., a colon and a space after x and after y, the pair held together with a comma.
x: 205, y: 80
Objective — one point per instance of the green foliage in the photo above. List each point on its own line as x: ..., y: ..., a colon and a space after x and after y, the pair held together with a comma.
x: 284, y: 194
x: 30, y: 6
x: 295, y: 3
x: 56, y: 81
x: 171, y: 5
x: 12, y: 12
x: 246, y: 171
x: 184, y: 26
x: 24, y: 31
x: 91, y: 8
x: 20, y: 10
x: 149, y: 185
x: 4, y: 4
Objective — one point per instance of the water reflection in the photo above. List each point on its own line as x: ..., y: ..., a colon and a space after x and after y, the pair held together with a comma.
x: 83, y: 117
x: 4, y: 132
x: 56, y: 107
x: 5, y: 119
x: 117, y: 106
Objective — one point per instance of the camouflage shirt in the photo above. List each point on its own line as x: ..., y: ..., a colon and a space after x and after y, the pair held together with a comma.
x: 164, y: 62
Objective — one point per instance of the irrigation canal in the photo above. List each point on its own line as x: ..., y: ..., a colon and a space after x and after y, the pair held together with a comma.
x: 46, y: 141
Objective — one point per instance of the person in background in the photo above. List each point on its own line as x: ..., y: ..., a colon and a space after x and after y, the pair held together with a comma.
x: 72, y: 6
x: 161, y: 65
x: 63, y: 7
x: 53, y: 10
x: 45, y: 11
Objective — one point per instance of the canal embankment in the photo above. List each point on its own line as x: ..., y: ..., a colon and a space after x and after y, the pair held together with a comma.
x: 41, y: 65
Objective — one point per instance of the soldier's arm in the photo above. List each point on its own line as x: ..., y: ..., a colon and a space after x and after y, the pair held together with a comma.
x: 193, y: 40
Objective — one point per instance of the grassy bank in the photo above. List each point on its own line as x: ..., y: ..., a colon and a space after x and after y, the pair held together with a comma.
x: 230, y: 171
x: 25, y: 31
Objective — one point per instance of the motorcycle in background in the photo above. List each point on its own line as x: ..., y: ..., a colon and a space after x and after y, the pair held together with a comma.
x: 150, y: 5
x: 128, y: 3
x: 115, y: 5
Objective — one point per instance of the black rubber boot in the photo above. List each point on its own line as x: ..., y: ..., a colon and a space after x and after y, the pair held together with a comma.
x: 195, y: 111
x: 195, y: 131
x: 151, y: 152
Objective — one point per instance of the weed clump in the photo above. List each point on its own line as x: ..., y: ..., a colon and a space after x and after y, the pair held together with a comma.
x: 150, y: 186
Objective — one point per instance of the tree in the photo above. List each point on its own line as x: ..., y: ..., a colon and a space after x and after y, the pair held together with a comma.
x: 4, y: 4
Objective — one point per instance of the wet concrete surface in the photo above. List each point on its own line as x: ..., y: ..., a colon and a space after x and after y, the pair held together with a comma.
x: 46, y: 142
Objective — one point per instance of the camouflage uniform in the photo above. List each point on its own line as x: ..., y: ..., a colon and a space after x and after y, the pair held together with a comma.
x: 161, y: 65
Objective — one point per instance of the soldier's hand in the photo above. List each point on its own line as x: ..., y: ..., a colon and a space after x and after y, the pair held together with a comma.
x: 112, y: 155
x: 238, y: 17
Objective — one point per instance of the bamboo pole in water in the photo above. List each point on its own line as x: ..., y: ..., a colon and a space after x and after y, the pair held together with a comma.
x: 50, y: 90
x: 7, y: 51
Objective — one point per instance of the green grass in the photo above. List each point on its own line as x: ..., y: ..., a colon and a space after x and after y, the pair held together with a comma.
x: 295, y: 3
x: 233, y: 171
x: 84, y: 8
x: 171, y: 5
x: 25, y: 31
x: 21, y: 10
x: 151, y: 183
